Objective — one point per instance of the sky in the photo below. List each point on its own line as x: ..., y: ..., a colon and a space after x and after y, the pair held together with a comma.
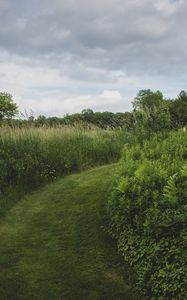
x: 62, y: 56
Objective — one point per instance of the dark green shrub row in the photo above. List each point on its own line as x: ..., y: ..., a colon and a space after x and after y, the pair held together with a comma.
x: 147, y: 214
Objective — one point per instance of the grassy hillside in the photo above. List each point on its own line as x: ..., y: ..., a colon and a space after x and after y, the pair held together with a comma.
x: 52, y: 246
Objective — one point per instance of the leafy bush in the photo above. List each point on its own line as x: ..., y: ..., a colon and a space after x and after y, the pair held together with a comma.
x: 147, y: 214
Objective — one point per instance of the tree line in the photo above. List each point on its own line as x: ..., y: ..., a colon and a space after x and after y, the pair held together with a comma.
x: 150, y: 112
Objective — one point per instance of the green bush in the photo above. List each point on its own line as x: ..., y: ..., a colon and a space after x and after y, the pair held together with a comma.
x: 147, y: 214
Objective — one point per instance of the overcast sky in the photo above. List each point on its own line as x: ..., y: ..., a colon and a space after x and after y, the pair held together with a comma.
x: 61, y: 56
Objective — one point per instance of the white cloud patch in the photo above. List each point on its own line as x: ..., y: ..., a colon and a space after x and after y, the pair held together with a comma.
x: 59, y: 105
x: 167, y: 7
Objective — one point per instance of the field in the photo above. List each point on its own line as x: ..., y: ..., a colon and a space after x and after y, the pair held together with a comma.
x: 112, y: 232
x: 31, y: 157
x: 93, y: 150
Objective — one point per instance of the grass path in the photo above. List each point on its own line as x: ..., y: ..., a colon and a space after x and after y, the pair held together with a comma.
x: 52, y: 246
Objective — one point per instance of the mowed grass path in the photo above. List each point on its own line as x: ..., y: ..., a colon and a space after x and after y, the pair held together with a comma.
x: 52, y: 245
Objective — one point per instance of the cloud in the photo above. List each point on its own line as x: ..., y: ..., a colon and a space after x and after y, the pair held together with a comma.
x: 61, y: 104
x: 80, y: 47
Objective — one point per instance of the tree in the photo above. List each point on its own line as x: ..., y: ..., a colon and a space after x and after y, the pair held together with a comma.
x: 178, y: 109
x: 151, y: 111
x: 147, y: 100
x: 8, y: 108
x: 87, y: 115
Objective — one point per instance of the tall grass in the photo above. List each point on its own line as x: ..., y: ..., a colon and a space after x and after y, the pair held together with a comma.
x: 30, y: 157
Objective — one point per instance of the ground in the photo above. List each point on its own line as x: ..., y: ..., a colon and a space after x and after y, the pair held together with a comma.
x: 52, y: 245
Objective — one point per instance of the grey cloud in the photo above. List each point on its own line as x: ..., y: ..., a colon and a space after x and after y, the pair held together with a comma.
x: 108, y: 44
x: 108, y: 34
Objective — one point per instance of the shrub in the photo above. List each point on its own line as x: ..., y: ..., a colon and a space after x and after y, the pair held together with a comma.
x: 147, y: 214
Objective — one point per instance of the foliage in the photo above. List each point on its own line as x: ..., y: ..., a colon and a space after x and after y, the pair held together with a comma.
x: 8, y: 108
x: 146, y: 99
x: 147, y: 214
x: 30, y: 157
x: 104, y: 120
x: 178, y: 110
x: 151, y: 111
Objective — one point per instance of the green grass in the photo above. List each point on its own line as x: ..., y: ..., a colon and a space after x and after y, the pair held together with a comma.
x: 32, y: 157
x: 52, y: 245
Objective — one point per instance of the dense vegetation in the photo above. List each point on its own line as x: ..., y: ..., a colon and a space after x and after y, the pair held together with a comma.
x: 30, y: 157
x: 147, y: 214
x: 151, y: 112
x: 8, y: 108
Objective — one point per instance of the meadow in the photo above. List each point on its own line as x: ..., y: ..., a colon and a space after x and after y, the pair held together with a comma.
x: 31, y: 157
x: 140, y: 202
x: 52, y: 245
